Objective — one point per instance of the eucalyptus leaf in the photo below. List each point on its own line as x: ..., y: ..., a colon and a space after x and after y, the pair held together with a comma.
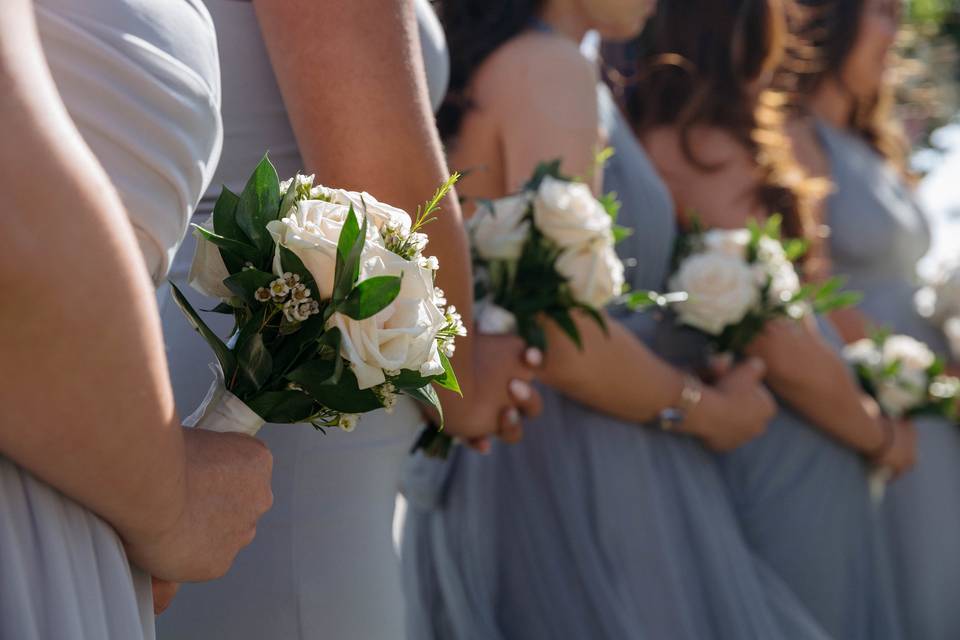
x: 370, y: 297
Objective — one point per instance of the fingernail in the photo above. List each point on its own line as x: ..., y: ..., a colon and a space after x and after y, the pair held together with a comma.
x: 483, y: 447
x: 520, y: 390
x: 533, y: 357
x: 513, y: 416
x: 758, y: 364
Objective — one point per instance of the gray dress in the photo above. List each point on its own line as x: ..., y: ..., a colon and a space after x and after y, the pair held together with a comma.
x: 140, y: 80
x: 592, y: 527
x: 879, y: 234
x: 323, y: 564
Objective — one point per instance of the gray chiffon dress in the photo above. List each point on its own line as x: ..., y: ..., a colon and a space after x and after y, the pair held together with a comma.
x: 879, y: 234
x: 323, y: 564
x: 592, y: 527
x: 140, y: 80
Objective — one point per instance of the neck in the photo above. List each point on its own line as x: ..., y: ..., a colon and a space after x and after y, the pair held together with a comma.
x: 832, y: 103
x: 565, y: 20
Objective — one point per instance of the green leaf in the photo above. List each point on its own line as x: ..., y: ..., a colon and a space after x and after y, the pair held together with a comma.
x: 238, y: 251
x: 225, y: 217
x: 289, y: 261
x: 409, y: 379
x: 566, y: 323
x: 313, y: 373
x: 259, y: 204
x: 302, y: 343
x: 621, y: 233
x: 370, y: 297
x: 254, y: 362
x: 223, y: 308
x: 349, y: 248
x: 434, y: 443
x: 344, y: 396
x: 596, y: 316
x: 224, y: 356
x: 543, y: 170
x: 245, y: 283
x: 449, y: 378
x: 428, y: 396
x: 283, y: 407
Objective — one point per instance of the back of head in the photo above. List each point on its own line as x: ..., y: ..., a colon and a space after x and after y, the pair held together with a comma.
x: 709, y: 63
x: 474, y: 30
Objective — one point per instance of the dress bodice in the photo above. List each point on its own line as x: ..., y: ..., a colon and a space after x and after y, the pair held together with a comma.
x: 141, y: 80
x: 878, y: 234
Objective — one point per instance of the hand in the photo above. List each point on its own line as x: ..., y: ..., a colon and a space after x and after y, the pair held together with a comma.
x: 792, y: 350
x: 228, y: 490
x: 163, y: 594
x: 735, y: 410
x: 505, y: 369
x: 901, y: 455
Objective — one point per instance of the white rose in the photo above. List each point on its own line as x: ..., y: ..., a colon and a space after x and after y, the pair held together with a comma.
x: 784, y: 282
x: 913, y: 355
x: 770, y: 251
x: 732, y: 242
x: 863, y: 352
x: 568, y: 214
x: 311, y: 231
x: 896, y: 397
x: 401, y: 336
x: 720, y: 288
x: 382, y: 215
x: 952, y: 330
x: 494, y: 320
x: 498, y: 230
x: 207, y: 271
x: 594, y: 273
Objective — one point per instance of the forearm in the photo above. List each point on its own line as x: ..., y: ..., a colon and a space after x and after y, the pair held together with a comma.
x: 364, y: 121
x: 614, y: 374
x: 87, y: 404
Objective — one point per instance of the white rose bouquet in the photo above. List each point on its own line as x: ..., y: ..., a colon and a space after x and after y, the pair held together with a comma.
x: 334, y: 306
x: 939, y: 301
x: 545, y: 252
x: 737, y: 280
x: 904, y: 376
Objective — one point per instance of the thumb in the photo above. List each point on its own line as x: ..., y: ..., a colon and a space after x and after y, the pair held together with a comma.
x: 752, y: 369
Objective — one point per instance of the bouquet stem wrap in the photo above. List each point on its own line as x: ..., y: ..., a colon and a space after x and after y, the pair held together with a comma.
x: 224, y: 412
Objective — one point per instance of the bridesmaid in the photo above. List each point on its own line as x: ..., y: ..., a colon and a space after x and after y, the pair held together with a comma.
x: 323, y: 564
x: 599, y: 525
x: 801, y: 490
x: 842, y: 130
x: 111, y: 130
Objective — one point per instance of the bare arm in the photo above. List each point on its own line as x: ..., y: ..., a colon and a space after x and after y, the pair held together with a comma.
x: 87, y: 405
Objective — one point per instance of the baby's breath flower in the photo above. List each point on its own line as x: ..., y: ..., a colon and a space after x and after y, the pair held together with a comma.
x: 300, y: 293
x: 418, y: 241
x: 279, y: 289
x: 430, y: 263
x: 262, y: 294
x: 388, y: 396
x: 348, y: 421
x: 439, y: 297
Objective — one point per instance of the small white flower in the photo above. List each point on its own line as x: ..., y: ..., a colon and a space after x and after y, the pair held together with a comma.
x: 348, y: 421
x: 439, y: 297
x: 303, y: 182
x: 912, y: 354
x: 299, y: 293
x: 279, y: 289
x: 864, y: 352
x: 292, y: 279
x: 429, y: 262
x: 262, y: 294
x: 418, y: 241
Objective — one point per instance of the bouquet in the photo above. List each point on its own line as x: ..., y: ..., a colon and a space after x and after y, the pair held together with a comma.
x: 737, y: 280
x: 334, y: 307
x: 939, y: 301
x: 544, y: 252
x: 904, y: 376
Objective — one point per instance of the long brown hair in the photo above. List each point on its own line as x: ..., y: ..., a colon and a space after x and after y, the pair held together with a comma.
x: 825, y: 32
x: 700, y: 65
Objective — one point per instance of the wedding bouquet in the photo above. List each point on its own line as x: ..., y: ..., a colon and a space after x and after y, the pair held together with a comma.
x: 333, y: 302
x: 904, y: 376
x: 939, y: 301
x: 737, y: 280
x: 544, y: 252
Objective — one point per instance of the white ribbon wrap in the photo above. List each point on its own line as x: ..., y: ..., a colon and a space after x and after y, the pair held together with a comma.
x: 222, y: 411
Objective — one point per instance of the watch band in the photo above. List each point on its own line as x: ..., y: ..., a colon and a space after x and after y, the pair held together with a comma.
x: 673, y: 417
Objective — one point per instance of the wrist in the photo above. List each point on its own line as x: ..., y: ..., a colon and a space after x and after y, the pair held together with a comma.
x: 689, y: 397
x: 884, y: 442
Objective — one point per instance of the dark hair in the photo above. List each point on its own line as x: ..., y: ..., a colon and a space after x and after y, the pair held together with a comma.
x: 474, y: 30
x: 826, y: 32
x: 701, y: 71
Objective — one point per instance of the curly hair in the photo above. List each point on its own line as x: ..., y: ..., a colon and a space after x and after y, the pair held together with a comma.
x: 705, y: 72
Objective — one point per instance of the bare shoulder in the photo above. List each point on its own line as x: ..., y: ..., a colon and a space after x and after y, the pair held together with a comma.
x: 537, y: 70
x: 702, y: 149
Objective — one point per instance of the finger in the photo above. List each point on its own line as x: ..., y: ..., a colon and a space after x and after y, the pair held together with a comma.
x: 163, y: 594
x: 481, y: 444
x: 529, y: 403
x: 511, y: 428
x: 720, y: 364
x: 752, y: 369
x: 533, y: 357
